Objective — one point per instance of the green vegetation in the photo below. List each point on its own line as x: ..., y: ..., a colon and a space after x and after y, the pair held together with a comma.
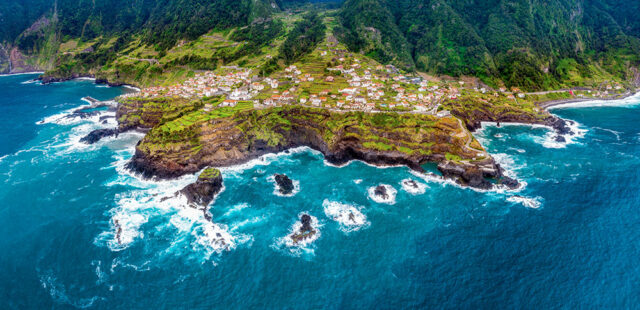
x: 529, y: 44
x: 475, y: 108
x: 304, y: 37
x: 533, y: 45
x: 415, y: 135
x: 209, y: 173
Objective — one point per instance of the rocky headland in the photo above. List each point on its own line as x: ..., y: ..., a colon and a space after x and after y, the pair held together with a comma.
x: 184, y: 138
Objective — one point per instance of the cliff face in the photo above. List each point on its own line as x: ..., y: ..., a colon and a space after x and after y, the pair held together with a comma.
x: 12, y: 60
x: 475, y: 110
x: 195, y: 140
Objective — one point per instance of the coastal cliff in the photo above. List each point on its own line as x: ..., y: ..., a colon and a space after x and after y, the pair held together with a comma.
x: 184, y: 139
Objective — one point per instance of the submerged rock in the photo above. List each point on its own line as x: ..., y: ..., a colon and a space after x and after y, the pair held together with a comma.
x: 381, y: 191
x: 202, y: 192
x: 98, y: 134
x: 82, y: 114
x: 284, y: 183
x: 411, y: 183
x: 305, y: 232
x: 118, y: 231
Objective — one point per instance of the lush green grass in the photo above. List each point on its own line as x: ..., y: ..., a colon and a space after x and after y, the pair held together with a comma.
x: 209, y: 173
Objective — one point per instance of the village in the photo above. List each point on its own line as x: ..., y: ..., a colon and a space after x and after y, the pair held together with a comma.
x: 335, y: 79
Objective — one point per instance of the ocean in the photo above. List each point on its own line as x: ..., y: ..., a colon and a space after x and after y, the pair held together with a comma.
x: 568, y: 238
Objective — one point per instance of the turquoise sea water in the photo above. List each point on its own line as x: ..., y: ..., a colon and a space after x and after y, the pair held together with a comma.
x: 570, y: 238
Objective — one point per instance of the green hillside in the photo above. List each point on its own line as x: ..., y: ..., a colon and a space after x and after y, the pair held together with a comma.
x: 531, y: 44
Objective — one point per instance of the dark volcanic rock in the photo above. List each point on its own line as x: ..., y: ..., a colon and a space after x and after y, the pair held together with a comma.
x: 470, y: 175
x: 560, y: 125
x: 509, y: 182
x: 98, y: 134
x: 305, y: 232
x: 202, y: 192
x: 560, y: 139
x: 305, y: 219
x: 47, y: 79
x: 381, y: 192
x: 411, y: 183
x: 285, y: 184
x: 82, y: 114
x: 107, y: 82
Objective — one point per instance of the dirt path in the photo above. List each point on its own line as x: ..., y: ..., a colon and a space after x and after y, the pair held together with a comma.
x: 469, y: 137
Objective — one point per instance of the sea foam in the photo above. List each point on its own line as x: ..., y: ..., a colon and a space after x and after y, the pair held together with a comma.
x: 413, y: 187
x: 630, y: 101
x: 533, y: 203
x: 348, y: 216
x: 391, y: 194
x: 305, y: 247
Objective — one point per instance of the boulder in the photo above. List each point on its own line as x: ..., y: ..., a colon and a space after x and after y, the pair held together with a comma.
x: 284, y: 183
x: 509, y: 182
x: 465, y: 174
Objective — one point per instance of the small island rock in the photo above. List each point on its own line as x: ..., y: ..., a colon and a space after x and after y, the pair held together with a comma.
x: 202, y: 192
x: 285, y: 184
x: 306, y: 230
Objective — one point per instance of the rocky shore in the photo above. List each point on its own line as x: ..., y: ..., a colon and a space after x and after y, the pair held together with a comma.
x: 236, y: 140
x: 99, y: 134
x: 48, y: 79
x: 201, y: 193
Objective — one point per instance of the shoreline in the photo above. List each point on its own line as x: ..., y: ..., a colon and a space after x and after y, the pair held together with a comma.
x: 555, y: 104
x: 22, y: 73
x: 558, y: 103
x: 87, y: 77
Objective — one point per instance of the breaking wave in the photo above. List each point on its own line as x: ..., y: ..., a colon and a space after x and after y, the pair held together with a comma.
x: 287, y: 245
x: 413, y: 187
x: 348, y: 216
x: 533, y: 203
x: 390, y: 197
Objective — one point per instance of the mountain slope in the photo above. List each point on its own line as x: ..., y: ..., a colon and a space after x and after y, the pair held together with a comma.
x: 533, y: 44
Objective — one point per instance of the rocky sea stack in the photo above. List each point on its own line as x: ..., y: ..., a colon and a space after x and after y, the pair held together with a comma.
x: 284, y: 183
x: 202, y: 192
x: 306, y: 230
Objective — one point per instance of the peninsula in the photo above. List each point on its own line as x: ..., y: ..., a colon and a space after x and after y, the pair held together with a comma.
x: 355, y: 80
